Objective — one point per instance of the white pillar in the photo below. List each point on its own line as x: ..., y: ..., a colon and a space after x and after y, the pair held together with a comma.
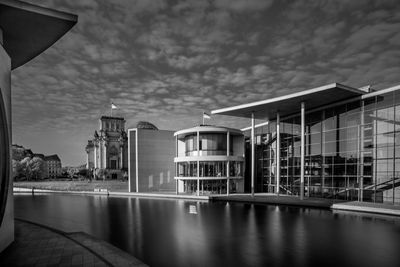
x: 278, y: 153
x: 302, y: 150
x: 100, y: 165
x: 176, y: 166
x: 95, y: 155
x: 228, y: 145
x: 228, y: 148
x: 105, y: 156
x: 198, y: 163
x: 198, y: 186
x: 252, y: 153
x: 176, y: 146
x: 121, y: 163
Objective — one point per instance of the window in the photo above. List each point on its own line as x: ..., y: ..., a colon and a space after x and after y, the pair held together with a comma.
x: 113, y: 164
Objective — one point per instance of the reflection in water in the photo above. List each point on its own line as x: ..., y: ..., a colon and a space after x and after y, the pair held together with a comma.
x: 169, y: 233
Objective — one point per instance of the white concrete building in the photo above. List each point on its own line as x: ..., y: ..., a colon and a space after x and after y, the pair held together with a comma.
x: 209, y: 160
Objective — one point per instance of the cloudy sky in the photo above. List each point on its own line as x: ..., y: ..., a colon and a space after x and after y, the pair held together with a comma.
x: 167, y: 61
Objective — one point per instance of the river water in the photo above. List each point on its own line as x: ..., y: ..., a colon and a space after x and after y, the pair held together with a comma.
x: 191, y: 233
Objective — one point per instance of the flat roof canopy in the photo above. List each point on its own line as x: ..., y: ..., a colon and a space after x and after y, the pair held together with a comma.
x: 28, y: 29
x: 290, y: 104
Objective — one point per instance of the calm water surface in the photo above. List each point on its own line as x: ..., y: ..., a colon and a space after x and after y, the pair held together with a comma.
x: 190, y: 233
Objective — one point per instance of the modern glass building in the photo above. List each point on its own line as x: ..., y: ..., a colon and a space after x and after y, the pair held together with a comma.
x: 209, y: 160
x: 333, y: 141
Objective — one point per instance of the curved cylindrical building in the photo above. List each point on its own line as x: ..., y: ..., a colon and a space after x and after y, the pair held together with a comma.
x: 209, y: 160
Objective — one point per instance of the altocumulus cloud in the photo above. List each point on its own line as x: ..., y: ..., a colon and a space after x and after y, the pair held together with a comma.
x: 168, y: 61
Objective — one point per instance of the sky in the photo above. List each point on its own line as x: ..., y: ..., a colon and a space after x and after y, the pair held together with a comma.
x: 168, y: 61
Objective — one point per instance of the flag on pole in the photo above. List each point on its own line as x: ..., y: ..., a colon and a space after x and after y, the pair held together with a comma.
x: 113, y: 106
x: 206, y: 116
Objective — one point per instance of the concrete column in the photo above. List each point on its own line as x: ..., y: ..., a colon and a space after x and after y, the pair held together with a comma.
x: 7, y: 225
x: 176, y: 146
x: 228, y: 146
x: 95, y: 155
x: 100, y: 165
x: 105, y: 156
x: 87, y: 159
x: 278, y: 152
x: 361, y: 157
x: 302, y: 150
x: 227, y: 186
x: 252, y: 153
x: 198, y: 187
x: 198, y: 163
x: 121, y: 157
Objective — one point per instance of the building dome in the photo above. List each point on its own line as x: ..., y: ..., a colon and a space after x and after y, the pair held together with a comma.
x: 146, y: 125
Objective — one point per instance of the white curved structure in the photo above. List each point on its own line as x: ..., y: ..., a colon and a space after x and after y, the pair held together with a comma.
x: 209, y: 160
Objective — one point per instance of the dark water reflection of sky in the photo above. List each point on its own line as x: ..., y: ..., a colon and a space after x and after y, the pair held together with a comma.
x: 166, y: 233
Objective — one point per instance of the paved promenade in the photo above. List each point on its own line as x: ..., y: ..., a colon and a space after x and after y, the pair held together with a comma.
x: 36, y: 245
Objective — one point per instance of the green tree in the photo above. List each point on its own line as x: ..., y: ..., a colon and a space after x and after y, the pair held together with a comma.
x: 32, y: 168
x: 37, y: 166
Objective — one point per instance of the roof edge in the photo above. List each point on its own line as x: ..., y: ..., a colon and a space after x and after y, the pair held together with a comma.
x: 284, y: 97
x: 40, y: 10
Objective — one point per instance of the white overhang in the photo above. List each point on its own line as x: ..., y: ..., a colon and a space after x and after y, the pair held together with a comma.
x: 207, y: 129
x: 29, y: 29
x: 290, y: 104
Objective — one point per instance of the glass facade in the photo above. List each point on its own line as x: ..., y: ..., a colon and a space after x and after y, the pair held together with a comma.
x: 212, y: 163
x: 352, y: 151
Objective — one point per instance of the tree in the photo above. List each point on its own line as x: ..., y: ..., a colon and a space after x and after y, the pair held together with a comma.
x: 37, y: 166
x: 17, y: 169
x: 72, y: 172
x: 18, y: 153
x: 31, y: 168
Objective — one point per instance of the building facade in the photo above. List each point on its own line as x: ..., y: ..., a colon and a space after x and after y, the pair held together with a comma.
x: 333, y: 141
x: 151, y: 168
x: 53, y: 166
x: 107, y: 152
x: 209, y: 160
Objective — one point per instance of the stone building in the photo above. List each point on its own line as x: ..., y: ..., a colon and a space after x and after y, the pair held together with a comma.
x: 52, y: 166
x: 107, y: 152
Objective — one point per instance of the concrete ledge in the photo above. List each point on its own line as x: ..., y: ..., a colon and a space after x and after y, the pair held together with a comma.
x: 368, y: 207
x: 158, y: 195
x: 37, y: 190
x: 274, y: 199
x: 110, y: 193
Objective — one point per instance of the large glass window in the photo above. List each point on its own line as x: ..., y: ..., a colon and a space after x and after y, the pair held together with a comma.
x: 349, y: 146
x: 212, y: 168
x: 191, y: 145
x: 236, y: 169
x: 213, y: 143
x: 187, y: 169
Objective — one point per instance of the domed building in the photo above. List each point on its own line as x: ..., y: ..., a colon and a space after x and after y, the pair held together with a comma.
x: 107, y: 152
x: 209, y: 160
x: 146, y: 125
